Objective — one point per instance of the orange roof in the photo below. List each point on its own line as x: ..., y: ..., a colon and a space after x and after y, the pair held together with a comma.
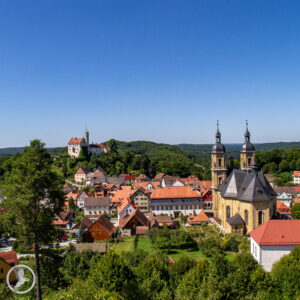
x: 121, y: 195
x: 73, y: 195
x: 75, y: 141
x: 201, y: 217
x: 175, y: 192
x: 123, y: 204
x: 126, y: 187
x: 296, y: 173
x: 145, y: 183
x: 60, y: 222
x: 297, y: 189
x: 10, y: 257
x: 282, y: 208
x: 159, y: 176
x: 277, y: 232
x: 206, y: 184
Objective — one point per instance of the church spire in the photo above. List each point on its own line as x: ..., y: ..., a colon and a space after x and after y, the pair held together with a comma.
x: 247, y: 133
x: 218, y: 133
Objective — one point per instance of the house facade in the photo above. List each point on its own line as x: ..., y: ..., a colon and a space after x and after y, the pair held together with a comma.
x: 94, y: 207
x: 81, y: 174
x: 274, y: 239
x: 176, y: 201
x: 141, y: 200
x: 296, y: 177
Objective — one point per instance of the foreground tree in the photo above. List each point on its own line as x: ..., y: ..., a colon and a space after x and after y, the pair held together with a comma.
x: 33, y: 197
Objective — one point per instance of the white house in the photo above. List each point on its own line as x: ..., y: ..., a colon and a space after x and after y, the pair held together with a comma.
x: 296, y: 177
x: 94, y: 207
x: 75, y: 145
x: 274, y: 239
x: 81, y: 199
x: 285, y: 195
x: 125, y: 208
x: 175, y: 201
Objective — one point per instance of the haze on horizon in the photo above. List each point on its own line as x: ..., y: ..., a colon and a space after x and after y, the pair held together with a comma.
x: 161, y: 71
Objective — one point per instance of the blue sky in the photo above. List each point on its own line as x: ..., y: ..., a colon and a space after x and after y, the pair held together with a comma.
x: 154, y: 70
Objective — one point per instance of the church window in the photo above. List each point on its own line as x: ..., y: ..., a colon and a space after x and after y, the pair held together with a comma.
x: 220, y: 162
x: 220, y: 180
x: 246, y: 216
x: 227, y: 212
x: 260, y: 218
x: 249, y: 161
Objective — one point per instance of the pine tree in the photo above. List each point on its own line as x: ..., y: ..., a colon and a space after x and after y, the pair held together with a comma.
x: 33, y: 196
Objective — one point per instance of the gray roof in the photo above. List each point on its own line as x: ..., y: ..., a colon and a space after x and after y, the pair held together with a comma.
x: 236, y: 220
x: 95, y: 201
x: 241, y: 185
x: 109, y: 180
x: 218, y: 147
x: 289, y: 190
x: 247, y: 147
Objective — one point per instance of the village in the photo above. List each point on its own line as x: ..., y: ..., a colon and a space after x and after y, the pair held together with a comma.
x: 102, y: 212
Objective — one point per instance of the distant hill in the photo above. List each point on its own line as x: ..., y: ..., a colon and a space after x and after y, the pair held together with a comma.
x: 12, y: 150
x: 155, y: 150
x: 234, y: 149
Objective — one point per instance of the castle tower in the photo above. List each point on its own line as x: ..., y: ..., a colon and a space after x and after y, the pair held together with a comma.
x: 86, y: 137
x: 247, y: 153
x: 218, y: 169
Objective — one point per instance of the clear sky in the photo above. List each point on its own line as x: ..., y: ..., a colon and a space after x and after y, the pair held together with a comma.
x: 155, y: 70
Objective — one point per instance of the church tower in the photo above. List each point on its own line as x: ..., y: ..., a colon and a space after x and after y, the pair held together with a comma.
x: 218, y: 169
x: 86, y: 137
x: 247, y: 153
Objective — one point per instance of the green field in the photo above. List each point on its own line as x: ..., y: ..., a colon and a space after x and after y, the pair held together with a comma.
x: 126, y: 245
x: 145, y: 244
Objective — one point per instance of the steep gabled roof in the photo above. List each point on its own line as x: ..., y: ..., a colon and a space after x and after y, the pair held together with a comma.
x: 277, y: 232
x: 107, y: 226
x: 75, y: 141
x: 86, y: 222
x: 201, y: 217
x: 9, y: 257
x: 138, y: 215
x: 83, y: 170
x: 252, y: 187
x: 236, y: 220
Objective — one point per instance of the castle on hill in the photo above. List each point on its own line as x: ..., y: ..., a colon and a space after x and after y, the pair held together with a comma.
x: 75, y: 145
x: 243, y: 200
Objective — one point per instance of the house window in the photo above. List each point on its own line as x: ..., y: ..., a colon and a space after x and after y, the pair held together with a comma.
x: 246, y: 216
x: 260, y: 218
x: 227, y: 212
x: 255, y: 251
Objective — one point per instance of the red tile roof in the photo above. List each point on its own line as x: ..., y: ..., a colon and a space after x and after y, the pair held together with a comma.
x: 277, y: 232
x: 10, y: 257
x: 296, y: 173
x: 201, y: 217
x: 175, y: 192
x: 60, y: 222
x: 75, y: 141
x: 282, y: 208
x: 121, y: 195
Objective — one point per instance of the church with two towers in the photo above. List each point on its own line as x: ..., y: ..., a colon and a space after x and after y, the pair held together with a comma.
x: 243, y: 199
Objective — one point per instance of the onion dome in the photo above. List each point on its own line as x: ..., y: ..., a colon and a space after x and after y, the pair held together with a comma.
x: 247, y: 146
x: 218, y: 146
